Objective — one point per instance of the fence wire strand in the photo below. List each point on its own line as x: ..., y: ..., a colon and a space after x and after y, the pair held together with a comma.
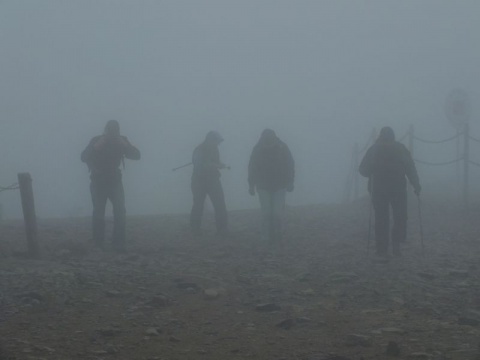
x: 474, y: 163
x: 437, y: 141
x: 11, y: 187
x: 439, y: 163
x: 474, y: 139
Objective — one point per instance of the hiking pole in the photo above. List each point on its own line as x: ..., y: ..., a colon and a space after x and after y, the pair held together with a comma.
x: 421, y: 224
x: 369, y: 225
x: 370, y: 211
x: 181, y: 167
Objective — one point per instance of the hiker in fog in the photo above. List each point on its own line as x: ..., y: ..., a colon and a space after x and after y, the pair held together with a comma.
x: 271, y: 172
x: 104, y: 155
x: 387, y: 164
x: 206, y: 181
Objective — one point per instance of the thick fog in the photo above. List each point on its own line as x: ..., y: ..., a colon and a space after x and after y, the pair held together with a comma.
x: 322, y: 74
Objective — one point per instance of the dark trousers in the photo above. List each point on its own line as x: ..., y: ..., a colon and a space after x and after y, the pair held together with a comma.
x: 272, y: 204
x: 101, y: 192
x: 213, y: 188
x: 382, y: 201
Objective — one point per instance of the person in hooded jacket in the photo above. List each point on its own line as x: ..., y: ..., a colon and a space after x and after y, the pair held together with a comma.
x: 206, y: 181
x: 104, y: 154
x: 271, y: 173
x: 388, y: 164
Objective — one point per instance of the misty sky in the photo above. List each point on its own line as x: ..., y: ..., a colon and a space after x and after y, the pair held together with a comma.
x: 322, y: 74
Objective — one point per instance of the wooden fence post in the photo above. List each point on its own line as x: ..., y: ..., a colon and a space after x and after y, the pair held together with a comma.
x: 28, y: 206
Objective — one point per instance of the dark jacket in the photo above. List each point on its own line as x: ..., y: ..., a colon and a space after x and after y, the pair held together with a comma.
x: 206, y: 161
x: 272, y: 167
x: 105, y: 161
x: 387, y: 164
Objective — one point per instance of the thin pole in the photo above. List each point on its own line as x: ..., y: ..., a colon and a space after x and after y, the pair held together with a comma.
x: 420, y: 220
x: 181, y: 167
x: 466, y: 163
x: 457, y: 155
x: 355, y: 172
x: 369, y: 224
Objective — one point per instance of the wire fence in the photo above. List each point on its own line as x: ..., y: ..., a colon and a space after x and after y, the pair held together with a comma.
x: 438, y: 163
x: 462, y: 136
x: 10, y: 188
x: 436, y: 141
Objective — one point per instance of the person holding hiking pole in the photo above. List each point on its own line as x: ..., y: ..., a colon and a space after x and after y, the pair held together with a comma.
x: 206, y: 181
x: 104, y: 155
x: 388, y: 164
x: 271, y: 172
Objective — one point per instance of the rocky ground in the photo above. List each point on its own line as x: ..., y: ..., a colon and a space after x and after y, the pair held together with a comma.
x: 317, y: 297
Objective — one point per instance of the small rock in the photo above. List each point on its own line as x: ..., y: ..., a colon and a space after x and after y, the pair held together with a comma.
x: 419, y: 356
x: 211, y: 293
x: 174, y: 339
x: 187, y: 285
x: 458, y: 274
x: 32, y: 295
x: 110, y: 349
x: 100, y: 352
x: 468, y: 321
x: 393, y: 349
x: 270, y: 307
x: 286, y: 324
x: 152, y: 332
x: 108, y: 332
x: 392, y: 330
x: 159, y: 301
x: 113, y: 293
x: 307, y: 292
x: 426, y: 276
x: 358, y: 340
x: 343, y: 277
x: 303, y: 320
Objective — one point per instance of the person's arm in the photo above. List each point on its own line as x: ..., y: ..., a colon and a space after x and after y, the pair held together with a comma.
x: 130, y: 151
x: 89, y: 152
x: 367, y: 164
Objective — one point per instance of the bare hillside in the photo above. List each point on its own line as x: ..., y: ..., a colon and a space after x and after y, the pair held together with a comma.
x: 172, y: 296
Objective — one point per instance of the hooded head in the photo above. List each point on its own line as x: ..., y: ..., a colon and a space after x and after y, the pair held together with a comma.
x: 268, y: 137
x: 112, y: 128
x: 213, y: 138
x: 386, y: 135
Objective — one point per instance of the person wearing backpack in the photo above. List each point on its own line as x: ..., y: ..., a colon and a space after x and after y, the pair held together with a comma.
x: 104, y: 154
x: 206, y: 181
